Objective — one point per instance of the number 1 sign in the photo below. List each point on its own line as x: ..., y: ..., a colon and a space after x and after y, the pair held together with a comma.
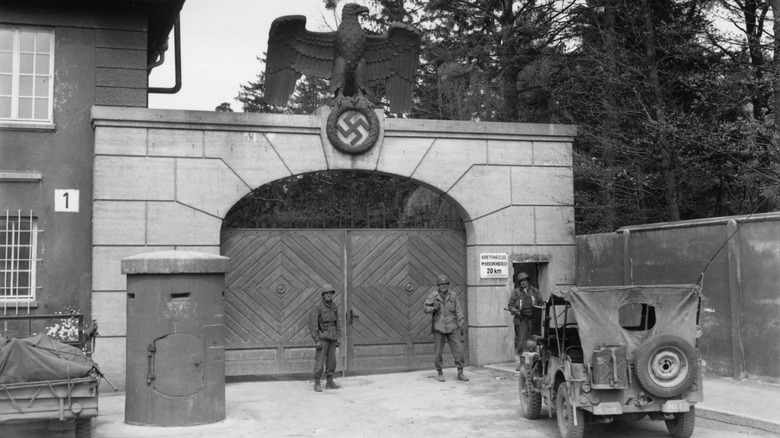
x: 66, y: 200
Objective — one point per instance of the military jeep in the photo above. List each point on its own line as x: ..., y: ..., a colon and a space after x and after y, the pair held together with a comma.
x: 606, y: 353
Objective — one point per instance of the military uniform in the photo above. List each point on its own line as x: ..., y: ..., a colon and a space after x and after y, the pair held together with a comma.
x: 447, y: 326
x: 324, y: 329
x: 520, y: 304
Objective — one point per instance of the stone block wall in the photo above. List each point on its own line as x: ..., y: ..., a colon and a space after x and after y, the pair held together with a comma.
x: 165, y: 180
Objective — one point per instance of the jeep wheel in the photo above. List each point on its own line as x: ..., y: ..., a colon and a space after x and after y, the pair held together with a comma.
x: 682, y: 424
x: 83, y: 428
x: 566, y: 413
x: 667, y: 365
x: 530, y: 400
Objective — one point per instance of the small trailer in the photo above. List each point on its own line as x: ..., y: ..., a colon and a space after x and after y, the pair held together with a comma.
x: 61, y: 405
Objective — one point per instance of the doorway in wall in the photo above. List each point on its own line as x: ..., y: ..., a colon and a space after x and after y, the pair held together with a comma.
x: 538, y: 273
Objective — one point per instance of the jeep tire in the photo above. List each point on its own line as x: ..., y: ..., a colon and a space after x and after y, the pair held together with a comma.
x: 667, y: 365
x: 681, y: 426
x: 530, y: 400
x: 566, y: 414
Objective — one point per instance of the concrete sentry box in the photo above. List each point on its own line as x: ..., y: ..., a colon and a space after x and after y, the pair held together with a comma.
x: 175, y: 373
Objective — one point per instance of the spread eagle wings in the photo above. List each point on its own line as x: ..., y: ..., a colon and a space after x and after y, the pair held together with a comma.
x: 294, y: 51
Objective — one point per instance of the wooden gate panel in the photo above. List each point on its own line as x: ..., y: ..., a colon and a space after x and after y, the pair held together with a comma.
x: 392, y: 273
x: 275, y: 279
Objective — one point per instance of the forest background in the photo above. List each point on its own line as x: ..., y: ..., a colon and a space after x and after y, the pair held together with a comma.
x: 677, y: 118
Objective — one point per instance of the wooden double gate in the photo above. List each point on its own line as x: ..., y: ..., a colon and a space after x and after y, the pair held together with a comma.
x: 382, y: 278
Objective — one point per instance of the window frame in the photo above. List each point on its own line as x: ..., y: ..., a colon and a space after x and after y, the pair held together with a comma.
x: 14, y: 121
x: 12, y: 226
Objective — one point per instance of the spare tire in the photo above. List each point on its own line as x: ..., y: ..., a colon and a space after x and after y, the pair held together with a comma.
x: 666, y: 366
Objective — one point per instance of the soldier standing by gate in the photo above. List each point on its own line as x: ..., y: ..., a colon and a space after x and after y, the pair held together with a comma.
x: 448, y: 325
x: 324, y: 328
x: 521, y: 302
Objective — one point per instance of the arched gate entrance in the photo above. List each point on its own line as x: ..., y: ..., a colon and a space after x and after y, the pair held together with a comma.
x: 164, y: 180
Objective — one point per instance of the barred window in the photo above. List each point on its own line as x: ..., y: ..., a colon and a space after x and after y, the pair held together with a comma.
x: 26, y: 72
x: 18, y: 257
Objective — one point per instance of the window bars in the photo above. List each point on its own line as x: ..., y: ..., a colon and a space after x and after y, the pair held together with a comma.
x: 18, y: 259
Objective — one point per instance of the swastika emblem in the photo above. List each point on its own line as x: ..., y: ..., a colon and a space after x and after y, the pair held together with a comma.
x: 352, y: 127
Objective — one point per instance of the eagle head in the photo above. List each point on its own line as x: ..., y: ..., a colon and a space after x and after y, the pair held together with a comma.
x: 353, y: 9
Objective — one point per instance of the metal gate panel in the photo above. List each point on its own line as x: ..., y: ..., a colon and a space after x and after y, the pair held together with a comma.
x: 274, y: 280
x: 391, y: 274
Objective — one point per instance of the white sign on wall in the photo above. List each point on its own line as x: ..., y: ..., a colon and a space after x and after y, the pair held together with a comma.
x: 66, y: 200
x: 494, y: 265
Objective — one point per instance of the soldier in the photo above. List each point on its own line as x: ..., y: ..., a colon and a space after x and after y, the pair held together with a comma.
x: 448, y: 325
x: 324, y: 328
x: 522, y: 300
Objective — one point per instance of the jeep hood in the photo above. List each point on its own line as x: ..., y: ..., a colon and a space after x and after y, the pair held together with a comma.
x: 597, y: 309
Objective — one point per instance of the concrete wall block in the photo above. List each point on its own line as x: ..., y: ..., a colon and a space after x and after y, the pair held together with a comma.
x: 488, y: 345
x: 111, y: 354
x: 301, y: 153
x: 208, y: 185
x: 171, y: 223
x: 249, y: 154
x: 483, y: 190
x: 119, y: 223
x: 134, y: 178
x: 106, y: 265
x: 486, y: 306
x: 552, y: 154
x: 515, y: 153
x: 542, y: 186
x: 554, y: 225
x: 120, y: 141
x: 401, y: 155
x: 214, y: 249
x: 448, y: 159
x: 121, y: 58
x: 175, y: 143
x: 109, y: 309
x: 512, y: 225
x: 115, y: 96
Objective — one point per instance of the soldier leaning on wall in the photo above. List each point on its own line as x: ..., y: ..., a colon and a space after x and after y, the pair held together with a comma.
x: 324, y: 328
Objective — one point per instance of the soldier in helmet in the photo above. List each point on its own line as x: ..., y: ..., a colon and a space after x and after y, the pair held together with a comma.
x: 448, y: 325
x: 324, y: 328
x: 521, y: 302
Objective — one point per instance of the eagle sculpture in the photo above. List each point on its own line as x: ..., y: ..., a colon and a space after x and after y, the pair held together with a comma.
x: 348, y: 57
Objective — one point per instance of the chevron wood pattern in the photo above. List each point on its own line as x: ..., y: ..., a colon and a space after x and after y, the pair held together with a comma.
x: 276, y: 276
x: 392, y: 273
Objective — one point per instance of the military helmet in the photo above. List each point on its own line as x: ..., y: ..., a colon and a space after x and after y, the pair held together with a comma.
x: 327, y: 288
x: 522, y: 275
x: 442, y: 279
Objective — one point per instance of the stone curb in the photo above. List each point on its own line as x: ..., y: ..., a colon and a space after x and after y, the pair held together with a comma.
x: 737, y: 419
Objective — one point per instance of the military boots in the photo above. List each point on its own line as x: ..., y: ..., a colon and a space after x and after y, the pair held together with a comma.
x: 317, y: 386
x: 330, y: 384
x: 439, y: 376
x: 462, y: 377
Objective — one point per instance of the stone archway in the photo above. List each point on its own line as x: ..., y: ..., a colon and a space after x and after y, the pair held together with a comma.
x: 165, y: 179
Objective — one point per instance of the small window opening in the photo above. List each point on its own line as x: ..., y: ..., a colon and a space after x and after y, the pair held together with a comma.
x: 637, y: 316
